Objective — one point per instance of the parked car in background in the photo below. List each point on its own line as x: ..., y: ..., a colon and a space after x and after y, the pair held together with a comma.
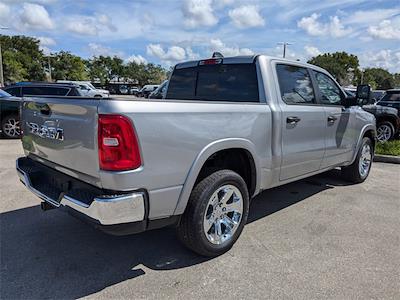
x: 391, y: 98
x: 376, y: 95
x: 146, y: 90
x: 134, y: 91
x: 23, y: 89
x: 227, y: 129
x: 87, y: 89
x: 387, y: 121
x: 159, y: 92
x: 9, y: 115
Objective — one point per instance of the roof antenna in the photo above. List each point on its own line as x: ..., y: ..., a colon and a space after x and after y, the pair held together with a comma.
x: 217, y: 55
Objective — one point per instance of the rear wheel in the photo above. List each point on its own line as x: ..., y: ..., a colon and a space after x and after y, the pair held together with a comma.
x: 11, y: 126
x: 216, y: 214
x: 384, y: 131
x: 358, y: 171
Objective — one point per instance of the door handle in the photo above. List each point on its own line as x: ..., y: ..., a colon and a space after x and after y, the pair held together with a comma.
x: 292, y: 120
x: 332, y: 119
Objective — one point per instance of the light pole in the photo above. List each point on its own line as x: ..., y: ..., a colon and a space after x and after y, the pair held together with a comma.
x: 285, y: 44
x: 49, y: 66
x: 1, y: 61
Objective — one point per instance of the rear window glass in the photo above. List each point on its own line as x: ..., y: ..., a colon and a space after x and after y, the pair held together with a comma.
x: 221, y: 82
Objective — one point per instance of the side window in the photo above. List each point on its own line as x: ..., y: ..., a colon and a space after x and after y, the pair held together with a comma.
x: 295, y: 84
x: 330, y: 92
x: 15, y: 91
x: 32, y: 91
x: 182, y: 84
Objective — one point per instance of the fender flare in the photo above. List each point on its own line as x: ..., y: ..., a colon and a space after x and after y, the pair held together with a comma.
x: 366, y: 128
x: 202, y: 157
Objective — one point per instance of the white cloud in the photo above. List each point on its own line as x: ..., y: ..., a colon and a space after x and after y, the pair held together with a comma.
x: 4, y: 12
x: 313, y: 27
x: 35, y: 16
x: 46, y: 41
x: 198, y: 13
x: 106, y: 21
x: 82, y: 26
x: 386, y: 58
x: 218, y: 45
x: 138, y: 59
x: 246, y: 16
x: 89, y: 25
x: 173, y: 54
x: 372, y: 16
x: 97, y: 49
x: 385, y: 30
x: 312, y: 51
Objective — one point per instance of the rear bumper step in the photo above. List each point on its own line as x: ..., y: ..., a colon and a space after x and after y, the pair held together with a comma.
x: 61, y: 190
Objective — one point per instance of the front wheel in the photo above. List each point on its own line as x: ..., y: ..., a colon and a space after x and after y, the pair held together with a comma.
x: 216, y: 214
x: 11, y: 126
x: 384, y: 131
x: 358, y: 171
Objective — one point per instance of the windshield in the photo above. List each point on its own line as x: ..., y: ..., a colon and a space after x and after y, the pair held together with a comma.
x: 4, y: 94
x: 90, y: 86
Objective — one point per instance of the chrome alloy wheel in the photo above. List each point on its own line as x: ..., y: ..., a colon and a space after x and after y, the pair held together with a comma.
x: 365, y: 160
x: 11, y: 127
x: 383, y: 133
x: 223, y: 214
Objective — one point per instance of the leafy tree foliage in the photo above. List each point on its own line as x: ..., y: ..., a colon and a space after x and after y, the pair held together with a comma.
x: 66, y: 66
x: 22, y: 58
x: 379, y: 78
x: 343, y: 66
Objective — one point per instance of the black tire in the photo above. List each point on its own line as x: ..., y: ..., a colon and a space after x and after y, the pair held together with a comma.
x: 352, y: 173
x: 388, y: 127
x: 98, y: 96
x: 190, y: 230
x: 5, y: 126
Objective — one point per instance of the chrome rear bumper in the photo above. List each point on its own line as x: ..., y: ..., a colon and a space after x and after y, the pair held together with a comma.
x: 105, y: 209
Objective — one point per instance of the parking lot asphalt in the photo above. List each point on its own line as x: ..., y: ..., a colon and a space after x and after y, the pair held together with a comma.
x: 317, y: 238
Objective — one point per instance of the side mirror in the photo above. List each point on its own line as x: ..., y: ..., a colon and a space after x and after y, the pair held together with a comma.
x: 363, y: 94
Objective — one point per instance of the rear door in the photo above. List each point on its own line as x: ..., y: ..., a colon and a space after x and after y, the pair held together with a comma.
x: 62, y: 131
x: 303, y: 122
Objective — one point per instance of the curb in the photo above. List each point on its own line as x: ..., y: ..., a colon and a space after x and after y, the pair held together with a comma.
x: 387, y: 159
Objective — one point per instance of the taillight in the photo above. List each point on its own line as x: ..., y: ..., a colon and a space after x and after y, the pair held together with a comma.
x: 118, y: 144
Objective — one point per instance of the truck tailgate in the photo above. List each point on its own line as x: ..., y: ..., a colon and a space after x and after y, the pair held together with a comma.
x: 62, y: 131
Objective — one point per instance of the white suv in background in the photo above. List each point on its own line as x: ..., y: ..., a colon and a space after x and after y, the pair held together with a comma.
x: 87, y: 89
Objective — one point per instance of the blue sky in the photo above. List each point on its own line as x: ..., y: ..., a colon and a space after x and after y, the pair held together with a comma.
x: 170, y: 31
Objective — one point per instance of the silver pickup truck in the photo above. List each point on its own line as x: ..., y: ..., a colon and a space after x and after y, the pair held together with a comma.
x: 227, y: 129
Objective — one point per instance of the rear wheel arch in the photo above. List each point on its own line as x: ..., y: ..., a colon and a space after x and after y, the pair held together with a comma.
x: 211, y: 151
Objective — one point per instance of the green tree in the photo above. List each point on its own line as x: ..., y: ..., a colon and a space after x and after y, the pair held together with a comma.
x: 343, y: 66
x: 396, y: 80
x: 22, y: 58
x: 378, y: 78
x: 105, y: 68
x: 66, y: 66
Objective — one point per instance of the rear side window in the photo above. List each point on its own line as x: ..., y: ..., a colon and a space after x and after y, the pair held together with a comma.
x: 14, y: 91
x: 220, y: 82
x: 389, y: 96
x: 182, y: 84
x: 295, y: 84
x: 45, y: 91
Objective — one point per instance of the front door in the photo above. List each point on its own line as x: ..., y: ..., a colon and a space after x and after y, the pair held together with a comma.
x: 338, y: 138
x: 303, y: 122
